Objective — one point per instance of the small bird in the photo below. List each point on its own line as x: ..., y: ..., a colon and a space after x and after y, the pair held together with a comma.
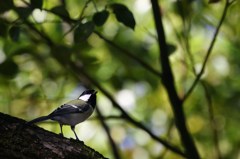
x: 72, y: 112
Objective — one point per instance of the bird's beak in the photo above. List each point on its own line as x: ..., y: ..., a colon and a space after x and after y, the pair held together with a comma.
x: 95, y: 92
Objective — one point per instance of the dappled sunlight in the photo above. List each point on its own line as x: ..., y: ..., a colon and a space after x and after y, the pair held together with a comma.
x: 142, y: 6
x: 140, y: 153
x: 118, y: 133
x: 221, y: 65
x: 39, y: 15
x: 87, y: 131
x: 196, y: 124
x: 126, y: 99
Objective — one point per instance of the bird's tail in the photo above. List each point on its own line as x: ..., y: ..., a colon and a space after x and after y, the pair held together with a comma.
x: 38, y: 120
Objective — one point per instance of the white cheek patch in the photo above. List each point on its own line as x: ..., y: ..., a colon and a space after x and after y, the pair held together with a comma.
x: 85, y: 97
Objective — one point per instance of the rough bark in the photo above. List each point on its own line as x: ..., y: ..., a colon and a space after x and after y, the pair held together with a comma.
x: 21, y: 141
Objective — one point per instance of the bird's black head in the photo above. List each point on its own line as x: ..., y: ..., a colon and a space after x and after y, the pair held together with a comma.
x: 89, y: 96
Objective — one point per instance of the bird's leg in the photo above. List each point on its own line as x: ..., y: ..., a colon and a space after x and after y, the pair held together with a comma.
x: 73, y: 129
x: 61, y: 129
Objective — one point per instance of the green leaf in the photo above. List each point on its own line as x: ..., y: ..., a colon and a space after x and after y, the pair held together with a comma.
x: 123, y: 15
x: 23, y: 12
x: 8, y: 68
x: 14, y: 33
x: 100, y: 18
x: 60, y: 11
x: 36, y: 3
x: 6, y: 5
x: 83, y: 31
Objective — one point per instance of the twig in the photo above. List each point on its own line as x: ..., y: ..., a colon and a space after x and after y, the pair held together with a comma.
x: 25, y: 2
x: 95, y: 5
x: 129, y: 54
x: 199, y: 75
x: 107, y: 130
x: 168, y: 134
x: 110, y: 117
x: 83, y: 10
x: 212, y: 121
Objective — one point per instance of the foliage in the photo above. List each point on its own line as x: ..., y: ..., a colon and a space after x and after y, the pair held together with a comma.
x: 51, y: 50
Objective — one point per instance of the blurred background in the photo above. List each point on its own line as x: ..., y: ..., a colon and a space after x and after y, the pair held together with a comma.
x: 115, y: 51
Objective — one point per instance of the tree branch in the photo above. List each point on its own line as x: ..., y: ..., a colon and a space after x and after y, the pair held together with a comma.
x: 168, y: 82
x: 26, y: 142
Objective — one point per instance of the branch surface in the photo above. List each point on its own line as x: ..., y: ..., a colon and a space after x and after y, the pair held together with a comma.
x: 21, y: 141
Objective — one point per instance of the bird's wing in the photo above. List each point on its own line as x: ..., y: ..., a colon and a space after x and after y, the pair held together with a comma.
x: 69, y: 109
